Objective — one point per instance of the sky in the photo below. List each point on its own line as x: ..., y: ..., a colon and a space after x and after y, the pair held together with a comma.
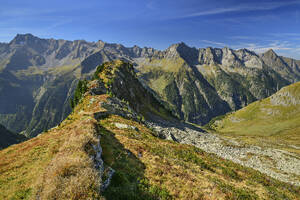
x: 257, y: 25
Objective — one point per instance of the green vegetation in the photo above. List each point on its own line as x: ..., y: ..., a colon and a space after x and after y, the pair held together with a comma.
x: 234, y: 193
x: 80, y: 90
x: 99, y: 69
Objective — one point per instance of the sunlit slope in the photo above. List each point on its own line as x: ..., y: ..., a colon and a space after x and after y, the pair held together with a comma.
x: 56, y: 164
x: 274, y: 120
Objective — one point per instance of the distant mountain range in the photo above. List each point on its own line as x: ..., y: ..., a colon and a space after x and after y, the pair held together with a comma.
x: 38, y: 77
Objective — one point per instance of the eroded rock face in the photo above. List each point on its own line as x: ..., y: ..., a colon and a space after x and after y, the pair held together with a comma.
x: 286, y: 67
x: 99, y: 165
x: 97, y: 88
x: 287, y: 96
x: 284, y: 98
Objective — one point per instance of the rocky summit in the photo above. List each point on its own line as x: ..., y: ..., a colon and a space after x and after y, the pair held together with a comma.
x: 38, y: 77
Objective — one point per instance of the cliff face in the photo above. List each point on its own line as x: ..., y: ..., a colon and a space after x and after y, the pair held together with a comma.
x: 199, y: 84
x: 39, y: 75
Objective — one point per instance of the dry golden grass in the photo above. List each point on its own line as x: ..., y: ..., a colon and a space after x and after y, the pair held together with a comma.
x: 54, y: 165
x: 71, y: 173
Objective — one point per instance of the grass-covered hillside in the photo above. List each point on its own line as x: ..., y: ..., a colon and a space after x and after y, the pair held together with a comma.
x: 63, y: 163
x: 272, y: 121
x: 58, y: 165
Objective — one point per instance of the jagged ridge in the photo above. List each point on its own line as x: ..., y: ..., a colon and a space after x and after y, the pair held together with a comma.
x: 196, y: 84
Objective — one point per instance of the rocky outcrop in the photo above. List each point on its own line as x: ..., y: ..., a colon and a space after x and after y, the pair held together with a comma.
x: 288, y: 96
x: 99, y: 165
x: 125, y: 126
x: 286, y: 67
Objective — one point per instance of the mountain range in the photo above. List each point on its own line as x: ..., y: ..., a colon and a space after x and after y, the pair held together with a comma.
x: 38, y: 77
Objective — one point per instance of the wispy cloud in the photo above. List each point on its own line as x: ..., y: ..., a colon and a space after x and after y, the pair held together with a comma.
x: 243, y: 37
x: 260, y: 48
x: 284, y: 34
x: 241, y: 8
x: 219, y: 44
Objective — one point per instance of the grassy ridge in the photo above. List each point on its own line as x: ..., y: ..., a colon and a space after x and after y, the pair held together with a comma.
x: 54, y: 165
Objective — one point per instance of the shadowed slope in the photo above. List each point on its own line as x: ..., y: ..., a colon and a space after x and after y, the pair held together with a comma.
x: 8, y: 138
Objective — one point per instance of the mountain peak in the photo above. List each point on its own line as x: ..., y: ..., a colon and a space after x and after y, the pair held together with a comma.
x: 23, y: 38
x: 182, y: 44
x: 178, y: 46
x: 271, y: 52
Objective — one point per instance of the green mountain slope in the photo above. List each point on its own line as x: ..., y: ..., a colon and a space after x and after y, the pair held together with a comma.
x: 272, y: 121
x: 104, y: 150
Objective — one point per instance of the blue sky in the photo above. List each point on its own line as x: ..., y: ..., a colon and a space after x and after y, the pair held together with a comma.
x: 254, y: 24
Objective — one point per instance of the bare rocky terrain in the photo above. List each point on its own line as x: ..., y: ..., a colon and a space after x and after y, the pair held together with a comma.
x: 279, y: 164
